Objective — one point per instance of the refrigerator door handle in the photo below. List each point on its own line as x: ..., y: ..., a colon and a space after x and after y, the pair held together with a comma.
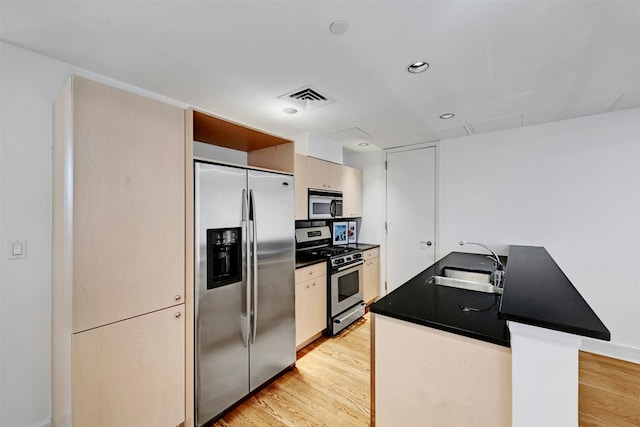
x: 254, y: 262
x: 246, y: 309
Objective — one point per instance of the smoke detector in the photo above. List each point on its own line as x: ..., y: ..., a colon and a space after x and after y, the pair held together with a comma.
x: 307, y: 98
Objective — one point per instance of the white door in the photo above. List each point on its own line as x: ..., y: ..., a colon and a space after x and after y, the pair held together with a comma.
x: 411, y: 192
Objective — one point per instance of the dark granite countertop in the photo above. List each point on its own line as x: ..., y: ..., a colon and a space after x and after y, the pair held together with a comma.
x: 363, y: 246
x: 439, y: 306
x: 307, y: 263
x: 537, y: 292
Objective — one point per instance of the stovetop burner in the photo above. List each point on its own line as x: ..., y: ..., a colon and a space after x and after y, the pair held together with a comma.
x: 315, y: 242
x: 329, y: 251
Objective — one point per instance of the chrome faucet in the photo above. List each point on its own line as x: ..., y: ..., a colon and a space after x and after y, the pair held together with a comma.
x: 497, y: 277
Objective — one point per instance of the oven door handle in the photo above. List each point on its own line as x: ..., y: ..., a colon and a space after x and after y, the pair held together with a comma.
x: 347, y: 267
x: 350, y: 315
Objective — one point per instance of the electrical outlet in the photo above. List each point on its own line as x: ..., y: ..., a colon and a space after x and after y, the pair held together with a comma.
x: 17, y: 249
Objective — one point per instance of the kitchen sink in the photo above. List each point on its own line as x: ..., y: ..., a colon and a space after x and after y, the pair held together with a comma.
x: 468, y: 275
x: 479, y: 281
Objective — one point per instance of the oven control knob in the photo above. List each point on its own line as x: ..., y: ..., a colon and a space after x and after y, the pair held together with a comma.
x: 339, y: 261
x: 357, y: 256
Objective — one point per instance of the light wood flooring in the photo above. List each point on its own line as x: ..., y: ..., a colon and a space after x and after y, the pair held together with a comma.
x: 329, y: 386
x: 609, y: 392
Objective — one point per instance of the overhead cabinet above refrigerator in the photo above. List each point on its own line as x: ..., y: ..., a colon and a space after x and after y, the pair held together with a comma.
x: 244, y: 283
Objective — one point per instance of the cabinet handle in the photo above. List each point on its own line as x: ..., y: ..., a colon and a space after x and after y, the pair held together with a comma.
x: 307, y: 286
x: 313, y: 284
x: 178, y: 297
x: 178, y: 314
x: 311, y: 273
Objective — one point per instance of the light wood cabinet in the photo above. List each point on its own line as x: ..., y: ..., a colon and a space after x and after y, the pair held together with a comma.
x: 351, y: 192
x: 324, y: 175
x: 311, y: 303
x: 320, y: 174
x: 118, y: 244
x: 302, y: 186
x: 371, y: 274
x: 420, y: 373
x: 129, y: 373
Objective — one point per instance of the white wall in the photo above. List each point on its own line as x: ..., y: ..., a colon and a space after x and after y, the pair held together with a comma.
x: 206, y: 151
x: 28, y: 85
x: 571, y: 186
x: 373, y: 201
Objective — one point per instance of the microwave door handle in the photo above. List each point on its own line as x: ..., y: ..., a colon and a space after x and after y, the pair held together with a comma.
x: 332, y: 208
x: 254, y: 262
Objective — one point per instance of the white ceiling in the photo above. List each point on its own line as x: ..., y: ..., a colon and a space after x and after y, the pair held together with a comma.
x: 495, y: 64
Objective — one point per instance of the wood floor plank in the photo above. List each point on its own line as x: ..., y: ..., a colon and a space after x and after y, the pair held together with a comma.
x: 329, y: 386
x: 609, y: 392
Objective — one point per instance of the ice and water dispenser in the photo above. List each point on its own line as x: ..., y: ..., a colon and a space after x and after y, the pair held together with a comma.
x: 224, y: 256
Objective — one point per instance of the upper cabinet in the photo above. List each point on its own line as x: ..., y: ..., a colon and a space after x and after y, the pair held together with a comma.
x: 351, y: 192
x: 124, y: 214
x: 324, y: 175
x: 319, y: 174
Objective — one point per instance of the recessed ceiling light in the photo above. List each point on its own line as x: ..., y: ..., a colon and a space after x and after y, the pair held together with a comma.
x: 364, y: 144
x: 418, y: 67
x: 447, y: 116
x: 290, y: 110
x: 338, y: 27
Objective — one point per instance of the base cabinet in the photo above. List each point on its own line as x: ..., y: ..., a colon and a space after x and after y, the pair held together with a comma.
x: 371, y: 274
x: 311, y: 303
x: 426, y: 377
x: 129, y: 374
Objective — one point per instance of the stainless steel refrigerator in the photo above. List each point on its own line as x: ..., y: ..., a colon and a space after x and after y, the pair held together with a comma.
x: 244, y: 283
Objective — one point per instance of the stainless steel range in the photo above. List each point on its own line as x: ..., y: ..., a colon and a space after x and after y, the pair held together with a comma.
x: 345, y: 299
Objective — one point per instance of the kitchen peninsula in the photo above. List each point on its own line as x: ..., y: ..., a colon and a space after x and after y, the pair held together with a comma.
x: 446, y: 356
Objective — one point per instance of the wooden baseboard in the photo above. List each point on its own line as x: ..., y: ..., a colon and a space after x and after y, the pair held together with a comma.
x: 609, y: 391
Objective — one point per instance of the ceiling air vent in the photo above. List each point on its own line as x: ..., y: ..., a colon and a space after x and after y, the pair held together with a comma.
x: 307, y: 98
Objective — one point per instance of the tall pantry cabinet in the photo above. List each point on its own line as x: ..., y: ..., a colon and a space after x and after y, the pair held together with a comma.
x: 118, y: 259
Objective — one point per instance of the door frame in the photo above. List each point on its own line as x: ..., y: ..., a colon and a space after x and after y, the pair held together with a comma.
x: 436, y: 202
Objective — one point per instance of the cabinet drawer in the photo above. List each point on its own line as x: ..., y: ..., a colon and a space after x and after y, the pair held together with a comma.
x: 311, y: 272
x: 371, y: 253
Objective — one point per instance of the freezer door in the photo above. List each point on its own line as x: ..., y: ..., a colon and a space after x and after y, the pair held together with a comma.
x: 221, y: 320
x: 273, y: 303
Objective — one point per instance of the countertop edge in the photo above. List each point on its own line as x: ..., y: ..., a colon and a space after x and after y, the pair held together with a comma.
x: 555, y: 295
x: 556, y: 327
x: 445, y: 328
x: 309, y: 263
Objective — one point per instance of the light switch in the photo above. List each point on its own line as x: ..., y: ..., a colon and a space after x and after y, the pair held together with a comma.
x: 18, y: 249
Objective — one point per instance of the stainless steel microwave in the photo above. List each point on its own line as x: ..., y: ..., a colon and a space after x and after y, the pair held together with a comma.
x: 325, y: 204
